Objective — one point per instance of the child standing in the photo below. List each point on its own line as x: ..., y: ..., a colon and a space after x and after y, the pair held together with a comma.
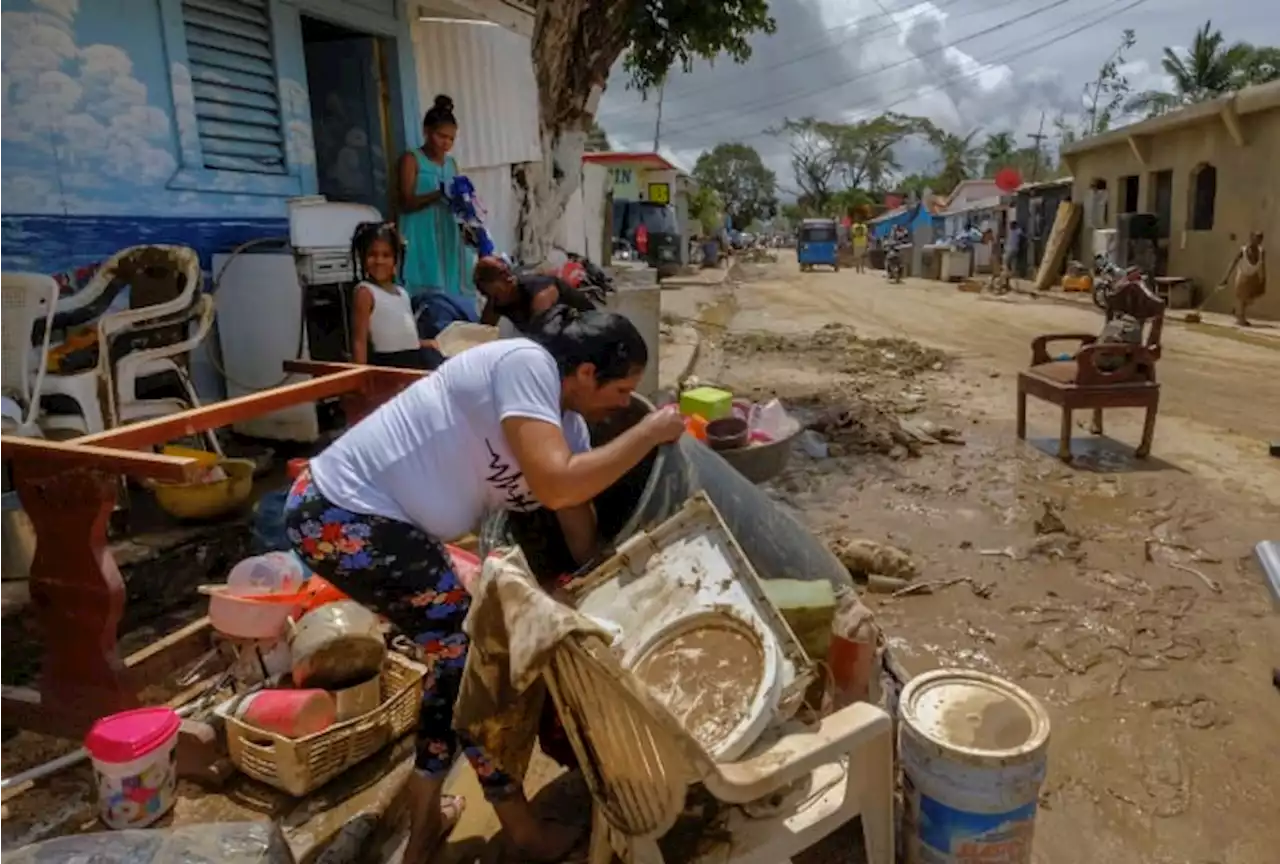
x: 385, y: 332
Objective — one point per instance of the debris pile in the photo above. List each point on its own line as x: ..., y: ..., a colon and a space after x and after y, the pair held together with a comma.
x: 838, y: 348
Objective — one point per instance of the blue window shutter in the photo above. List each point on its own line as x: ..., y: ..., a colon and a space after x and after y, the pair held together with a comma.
x: 233, y: 76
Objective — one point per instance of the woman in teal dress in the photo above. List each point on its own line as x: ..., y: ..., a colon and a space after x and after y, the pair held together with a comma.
x: 436, y: 258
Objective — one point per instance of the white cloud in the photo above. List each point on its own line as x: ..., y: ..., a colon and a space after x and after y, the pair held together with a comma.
x: 82, y: 104
x: 64, y: 9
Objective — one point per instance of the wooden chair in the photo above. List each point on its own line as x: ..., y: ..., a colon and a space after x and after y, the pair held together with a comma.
x: 639, y: 762
x: 1100, y: 375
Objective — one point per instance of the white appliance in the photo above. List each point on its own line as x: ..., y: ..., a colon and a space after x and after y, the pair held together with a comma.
x: 267, y: 296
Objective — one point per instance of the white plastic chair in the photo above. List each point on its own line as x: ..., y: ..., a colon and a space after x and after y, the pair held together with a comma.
x: 27, y: 297
x: 639, y: 762
x: 84, y: 388
x: 126, y: 407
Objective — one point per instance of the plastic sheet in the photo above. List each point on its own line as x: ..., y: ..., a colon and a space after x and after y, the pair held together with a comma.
x: 219, y: 843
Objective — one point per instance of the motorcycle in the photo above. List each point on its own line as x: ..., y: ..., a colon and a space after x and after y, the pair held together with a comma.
x: 1108, y: 278
x: 585, y: 276
x: 893, y: 263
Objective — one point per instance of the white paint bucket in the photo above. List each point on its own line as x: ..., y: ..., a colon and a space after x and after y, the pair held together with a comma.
x: 973, y: 749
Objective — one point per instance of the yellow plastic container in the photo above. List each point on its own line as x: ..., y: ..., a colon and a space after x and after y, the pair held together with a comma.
x: 208, y: 500
x: 204, y: 457
x: 709, y: 403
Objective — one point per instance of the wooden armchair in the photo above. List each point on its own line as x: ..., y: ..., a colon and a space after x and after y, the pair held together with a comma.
x: 1100, y: 375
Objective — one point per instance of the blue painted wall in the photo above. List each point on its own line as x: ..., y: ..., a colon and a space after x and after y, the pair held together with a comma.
x: 100, y: 138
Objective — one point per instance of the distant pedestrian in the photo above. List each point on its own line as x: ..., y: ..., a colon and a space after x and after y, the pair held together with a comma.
x: 859, y: 233
x: 1012, y: 249
x: 1250, y: 267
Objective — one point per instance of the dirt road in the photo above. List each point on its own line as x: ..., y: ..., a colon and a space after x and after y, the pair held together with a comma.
x: 1140, y: 620
x: 1220, y: 396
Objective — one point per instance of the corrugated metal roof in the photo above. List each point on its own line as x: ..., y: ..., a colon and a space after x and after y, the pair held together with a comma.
x: 488, y: 72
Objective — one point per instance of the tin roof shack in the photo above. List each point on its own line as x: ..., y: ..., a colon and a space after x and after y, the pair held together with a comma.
x: 1206, y: 171
x: 1036, y: 206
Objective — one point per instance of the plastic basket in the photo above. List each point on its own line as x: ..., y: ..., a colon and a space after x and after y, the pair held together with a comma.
x: 300, y: 766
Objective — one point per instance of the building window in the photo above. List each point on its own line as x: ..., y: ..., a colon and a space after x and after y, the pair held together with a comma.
x: 233, y: 79
x: 1203, y: 191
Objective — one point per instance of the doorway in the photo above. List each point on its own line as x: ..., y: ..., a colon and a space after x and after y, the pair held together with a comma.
x: 1161, y: 201
x: 350, y: 113
x: 1129, y: 187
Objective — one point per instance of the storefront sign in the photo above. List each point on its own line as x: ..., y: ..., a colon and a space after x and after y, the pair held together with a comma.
x: 625, y: 187
x: 660, y: 193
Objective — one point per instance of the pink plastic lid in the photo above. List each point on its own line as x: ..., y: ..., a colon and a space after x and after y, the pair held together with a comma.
x: 130, y: 735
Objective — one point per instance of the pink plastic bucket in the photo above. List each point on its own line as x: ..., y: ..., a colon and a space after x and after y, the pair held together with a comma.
x: 135, y: 765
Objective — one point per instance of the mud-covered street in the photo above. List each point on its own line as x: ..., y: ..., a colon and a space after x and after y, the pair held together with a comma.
x: 1121, y: 593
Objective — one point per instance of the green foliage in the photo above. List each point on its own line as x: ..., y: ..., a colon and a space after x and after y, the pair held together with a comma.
x: 705, y: 206
x: 958, y: 158
x: 597, y: 139
x: 1110, y: 90
x: 827, y: 158
x: 1210, y: 68
x: 667, y: 33
x: 737, y: 175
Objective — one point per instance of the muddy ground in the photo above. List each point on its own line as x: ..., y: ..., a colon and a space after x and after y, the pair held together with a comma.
x: 1121, y: 593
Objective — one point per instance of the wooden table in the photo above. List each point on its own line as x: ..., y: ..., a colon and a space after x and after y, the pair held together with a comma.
x: 68, y: 490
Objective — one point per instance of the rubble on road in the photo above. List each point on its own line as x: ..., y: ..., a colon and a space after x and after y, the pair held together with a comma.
x: 865, y: 558
x: 838, y: 348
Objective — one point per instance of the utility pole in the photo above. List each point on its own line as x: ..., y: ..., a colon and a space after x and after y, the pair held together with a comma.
x: 657, y: 127
x: 1037, y: 138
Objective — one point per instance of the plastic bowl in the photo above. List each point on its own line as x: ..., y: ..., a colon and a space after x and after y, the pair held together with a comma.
x: 727, y: 433
x: 208, y: 500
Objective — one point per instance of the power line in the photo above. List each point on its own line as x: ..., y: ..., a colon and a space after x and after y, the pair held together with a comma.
x: 914, y: 92
x: 827, y: 46
x: 791, y: 97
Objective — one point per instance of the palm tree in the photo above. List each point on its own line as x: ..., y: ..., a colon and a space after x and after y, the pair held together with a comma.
x: 959, y: 158
x: 1000, y: 150
x: 1208, y: 69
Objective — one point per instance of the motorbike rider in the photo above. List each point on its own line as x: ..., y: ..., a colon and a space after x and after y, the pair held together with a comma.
x: 522, y: 297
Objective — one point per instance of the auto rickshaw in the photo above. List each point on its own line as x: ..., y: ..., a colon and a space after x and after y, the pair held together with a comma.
x: 818, y: 244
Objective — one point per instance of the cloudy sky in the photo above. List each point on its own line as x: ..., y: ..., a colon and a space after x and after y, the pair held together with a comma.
x: 965, y: 64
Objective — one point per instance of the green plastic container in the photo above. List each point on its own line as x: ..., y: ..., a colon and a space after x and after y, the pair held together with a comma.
x: 709, y: 403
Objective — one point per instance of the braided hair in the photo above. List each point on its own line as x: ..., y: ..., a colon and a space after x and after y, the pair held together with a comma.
x: 363, y: 238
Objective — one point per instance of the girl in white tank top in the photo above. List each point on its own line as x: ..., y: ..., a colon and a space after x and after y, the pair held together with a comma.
x: 384, y: 330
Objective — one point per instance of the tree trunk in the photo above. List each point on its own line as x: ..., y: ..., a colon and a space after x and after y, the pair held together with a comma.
x: 575, y: 43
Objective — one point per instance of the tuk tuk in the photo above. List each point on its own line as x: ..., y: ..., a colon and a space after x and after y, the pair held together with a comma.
x: 817, y: 244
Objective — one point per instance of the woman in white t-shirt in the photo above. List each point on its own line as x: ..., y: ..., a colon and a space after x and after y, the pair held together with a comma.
x: 500, y: 426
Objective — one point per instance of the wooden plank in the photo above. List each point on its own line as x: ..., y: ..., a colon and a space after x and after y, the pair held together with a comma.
x: 77, y: 455
x: 161, y: 429
x: 1055, y: 253
x: 159, y: 660
x: 323, y: 367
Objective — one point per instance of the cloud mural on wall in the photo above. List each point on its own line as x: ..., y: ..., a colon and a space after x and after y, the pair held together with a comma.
x: 81, y: 106
x: 84, y: 135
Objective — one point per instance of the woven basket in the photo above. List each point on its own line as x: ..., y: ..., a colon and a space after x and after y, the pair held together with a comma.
x: 301, y: 765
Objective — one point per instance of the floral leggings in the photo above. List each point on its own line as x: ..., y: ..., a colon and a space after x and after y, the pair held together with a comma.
x: 405, y: 575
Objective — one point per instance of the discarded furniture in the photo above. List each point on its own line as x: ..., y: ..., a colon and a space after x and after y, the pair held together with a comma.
x: 68, y: 490
x: 28, y: 299
x: 1100, y: 375
x: 1178, y: 292
x: 1058, y: 244
x: 639, y: 762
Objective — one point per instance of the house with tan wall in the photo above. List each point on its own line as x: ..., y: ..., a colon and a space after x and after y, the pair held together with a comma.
x: 1211, y: 175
